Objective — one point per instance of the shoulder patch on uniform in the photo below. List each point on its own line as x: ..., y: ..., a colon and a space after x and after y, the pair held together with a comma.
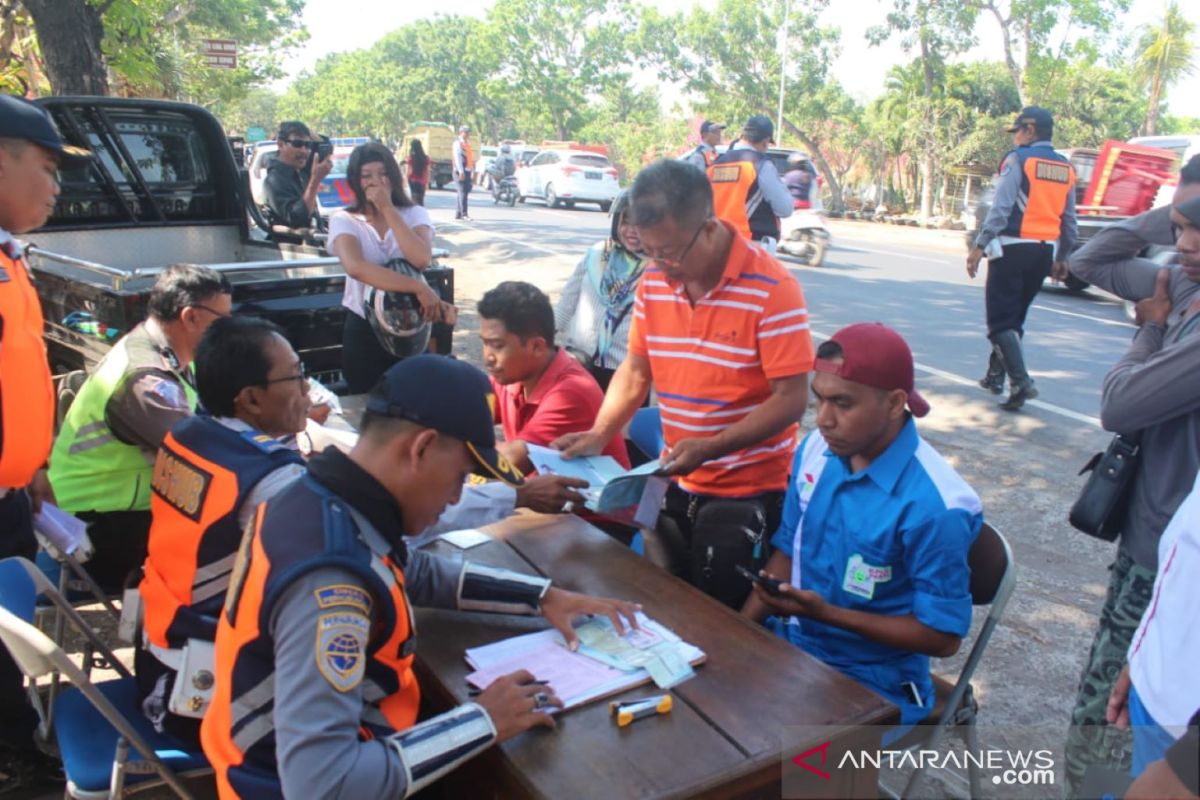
x: 169, y: 391
x: 262, y: 440
x: 343, y: 594
x: 341, y: 650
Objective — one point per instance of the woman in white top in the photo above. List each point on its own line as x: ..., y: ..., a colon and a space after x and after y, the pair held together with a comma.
x: 382, y: 225
x: 595, y: 307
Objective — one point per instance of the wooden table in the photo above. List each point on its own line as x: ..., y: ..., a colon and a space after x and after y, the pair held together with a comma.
x: 726, y: 734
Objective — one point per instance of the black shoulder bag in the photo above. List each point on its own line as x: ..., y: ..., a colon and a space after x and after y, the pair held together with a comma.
x: 1099, y: 510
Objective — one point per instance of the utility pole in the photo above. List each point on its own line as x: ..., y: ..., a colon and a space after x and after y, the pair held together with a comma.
x: 783, y: 55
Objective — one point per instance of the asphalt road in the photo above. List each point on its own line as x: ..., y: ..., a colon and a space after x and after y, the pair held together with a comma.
x: 1023, y: 465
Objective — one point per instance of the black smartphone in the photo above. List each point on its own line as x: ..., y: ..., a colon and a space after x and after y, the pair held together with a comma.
x: 770, y: 584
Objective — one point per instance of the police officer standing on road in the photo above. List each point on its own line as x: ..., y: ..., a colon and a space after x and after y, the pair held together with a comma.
x: 315, y: 694
x: 1032, y: 214
x: 463, y: 164
x: 747, y: 189
x: 706, y: 152
x: 31, y: 151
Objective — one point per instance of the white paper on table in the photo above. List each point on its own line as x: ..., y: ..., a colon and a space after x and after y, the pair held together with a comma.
x: 466, y: 539
x: 64, y: 532
x: 575, y: 678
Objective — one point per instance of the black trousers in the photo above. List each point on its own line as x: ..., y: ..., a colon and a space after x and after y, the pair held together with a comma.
x: 464, y: 191
x: 16, y: 539
x: 1012, y: 282
x: 417, y: 190
x: 363, y: 358
x: 120, y: 539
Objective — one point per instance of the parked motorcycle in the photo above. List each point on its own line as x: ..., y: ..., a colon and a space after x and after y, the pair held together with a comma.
x: 505, y: 191
x: 804, y: 234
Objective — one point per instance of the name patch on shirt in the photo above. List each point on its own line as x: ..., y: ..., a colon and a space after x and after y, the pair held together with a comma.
x: 343, y: 594
x: 179, y: 484
x: 861, y: 577
x: 726, y: 173
x: 1052, y: 171
x: 341, y: 650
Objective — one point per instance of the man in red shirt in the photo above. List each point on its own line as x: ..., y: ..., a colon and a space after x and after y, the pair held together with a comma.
x: 721, y: 330
x: 542, y: 392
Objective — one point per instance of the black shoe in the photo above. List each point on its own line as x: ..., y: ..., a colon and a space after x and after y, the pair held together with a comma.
x: 29, y: 773
x: 993, y: 383
x: 1018, y: 397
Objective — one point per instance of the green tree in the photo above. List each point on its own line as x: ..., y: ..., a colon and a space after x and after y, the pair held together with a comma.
x: 1165, y: 53
x: 554, y: 55
x: 1026, y: 28
x: 730, y: 58
x: 151, y: 46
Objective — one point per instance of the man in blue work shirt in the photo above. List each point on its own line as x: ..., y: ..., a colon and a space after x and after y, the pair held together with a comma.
x: 876, y: 528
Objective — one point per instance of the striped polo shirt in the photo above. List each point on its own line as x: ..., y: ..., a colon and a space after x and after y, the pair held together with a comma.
x: 711, y: 362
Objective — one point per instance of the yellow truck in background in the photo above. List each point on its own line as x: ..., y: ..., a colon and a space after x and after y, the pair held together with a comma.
x: 437, y: 139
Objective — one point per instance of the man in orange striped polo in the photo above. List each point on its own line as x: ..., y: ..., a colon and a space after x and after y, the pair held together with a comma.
x: 720, y: 329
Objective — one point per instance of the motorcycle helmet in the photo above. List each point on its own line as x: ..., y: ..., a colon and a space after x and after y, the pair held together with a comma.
x: 506, y: 149
x: 797, y: 159
x: 396, y: 316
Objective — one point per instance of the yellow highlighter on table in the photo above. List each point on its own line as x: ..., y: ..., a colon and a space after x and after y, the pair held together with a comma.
x: 626, y: 713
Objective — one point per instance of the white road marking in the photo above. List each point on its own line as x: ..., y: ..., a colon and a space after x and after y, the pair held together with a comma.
x: 1101, y: 320
x: 1067, y: 413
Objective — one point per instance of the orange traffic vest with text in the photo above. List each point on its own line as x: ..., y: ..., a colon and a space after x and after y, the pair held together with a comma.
x: 304, y: 528
x: 736, y: 196
x: 1046, y: 179
x: 26, y: 390
x: 202, y: 476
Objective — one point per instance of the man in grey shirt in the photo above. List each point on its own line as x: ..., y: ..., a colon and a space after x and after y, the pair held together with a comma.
x: 1153, y: 393
x: 706, y: 152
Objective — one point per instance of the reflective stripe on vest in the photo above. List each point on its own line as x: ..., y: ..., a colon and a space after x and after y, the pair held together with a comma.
x: 26, y: 390
x: 1046, y: 180
x: 737, y: 198
x: 90, y: 468
x: 307, y: 528
x: 202, y: 476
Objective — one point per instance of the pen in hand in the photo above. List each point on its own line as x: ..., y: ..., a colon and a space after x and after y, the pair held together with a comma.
x: 475, y: 691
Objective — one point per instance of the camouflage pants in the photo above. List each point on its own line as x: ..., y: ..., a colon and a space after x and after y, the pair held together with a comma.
x: 1091, y: 740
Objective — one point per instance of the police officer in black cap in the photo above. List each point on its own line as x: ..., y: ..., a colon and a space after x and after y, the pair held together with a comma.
x: 31, y: 151
x: 1031, y: 224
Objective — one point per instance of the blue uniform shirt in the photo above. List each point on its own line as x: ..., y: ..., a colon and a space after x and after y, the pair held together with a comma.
x: 892, y: 540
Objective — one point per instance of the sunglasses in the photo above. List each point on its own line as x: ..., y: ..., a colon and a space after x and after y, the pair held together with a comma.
x: 299, y: 143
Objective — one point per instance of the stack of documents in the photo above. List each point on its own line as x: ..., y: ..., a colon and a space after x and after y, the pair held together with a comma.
x: 632, y: 497
x: 604, y: 664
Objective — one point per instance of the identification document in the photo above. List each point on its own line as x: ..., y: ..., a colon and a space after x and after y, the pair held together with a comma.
x: 632, y: 497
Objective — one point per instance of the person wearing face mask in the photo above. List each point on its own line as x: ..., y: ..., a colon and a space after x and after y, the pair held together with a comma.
x: 211, y: 472
x: 592, y: 317
x: 1153, y: 393
x: 382, y: 228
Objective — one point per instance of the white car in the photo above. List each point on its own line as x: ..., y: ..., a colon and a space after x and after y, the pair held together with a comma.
x: 567, y: 177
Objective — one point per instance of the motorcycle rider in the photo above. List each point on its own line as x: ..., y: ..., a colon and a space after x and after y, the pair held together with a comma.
x: 801, y: 180
x: 503, y: 166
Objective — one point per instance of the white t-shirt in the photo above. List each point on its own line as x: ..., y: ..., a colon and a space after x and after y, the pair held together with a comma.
x: 1166, y: 646
x: 374, y: 249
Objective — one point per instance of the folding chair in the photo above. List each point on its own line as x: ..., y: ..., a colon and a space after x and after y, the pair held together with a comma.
x: 95, y: 723
x: 993, y: 576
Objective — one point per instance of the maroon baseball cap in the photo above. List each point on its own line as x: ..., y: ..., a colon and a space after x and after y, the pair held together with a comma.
x: 875, y: 355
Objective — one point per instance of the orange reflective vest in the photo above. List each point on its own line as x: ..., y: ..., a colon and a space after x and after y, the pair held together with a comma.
x: 304, y: 528
x: 202, y: 476
x: 26, y: 390
x: 1046, y: 180
x: 736, y: 196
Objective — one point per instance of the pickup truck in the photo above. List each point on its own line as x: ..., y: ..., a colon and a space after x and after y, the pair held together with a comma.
x: 164, y: 188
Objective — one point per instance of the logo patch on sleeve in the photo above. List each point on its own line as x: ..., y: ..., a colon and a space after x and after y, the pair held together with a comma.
x: 343, y: 594
x: 342, y: 649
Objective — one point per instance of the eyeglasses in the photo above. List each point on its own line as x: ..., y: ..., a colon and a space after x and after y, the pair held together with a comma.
x: 305, y: 143
x: 301, y: 377
x: 677, y: 260
x: 210, y: 310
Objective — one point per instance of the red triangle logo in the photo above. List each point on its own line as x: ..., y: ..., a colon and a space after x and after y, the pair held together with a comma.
x: 801, y: 760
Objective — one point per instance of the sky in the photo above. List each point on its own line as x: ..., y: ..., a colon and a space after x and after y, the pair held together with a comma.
x: 336, y: 25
